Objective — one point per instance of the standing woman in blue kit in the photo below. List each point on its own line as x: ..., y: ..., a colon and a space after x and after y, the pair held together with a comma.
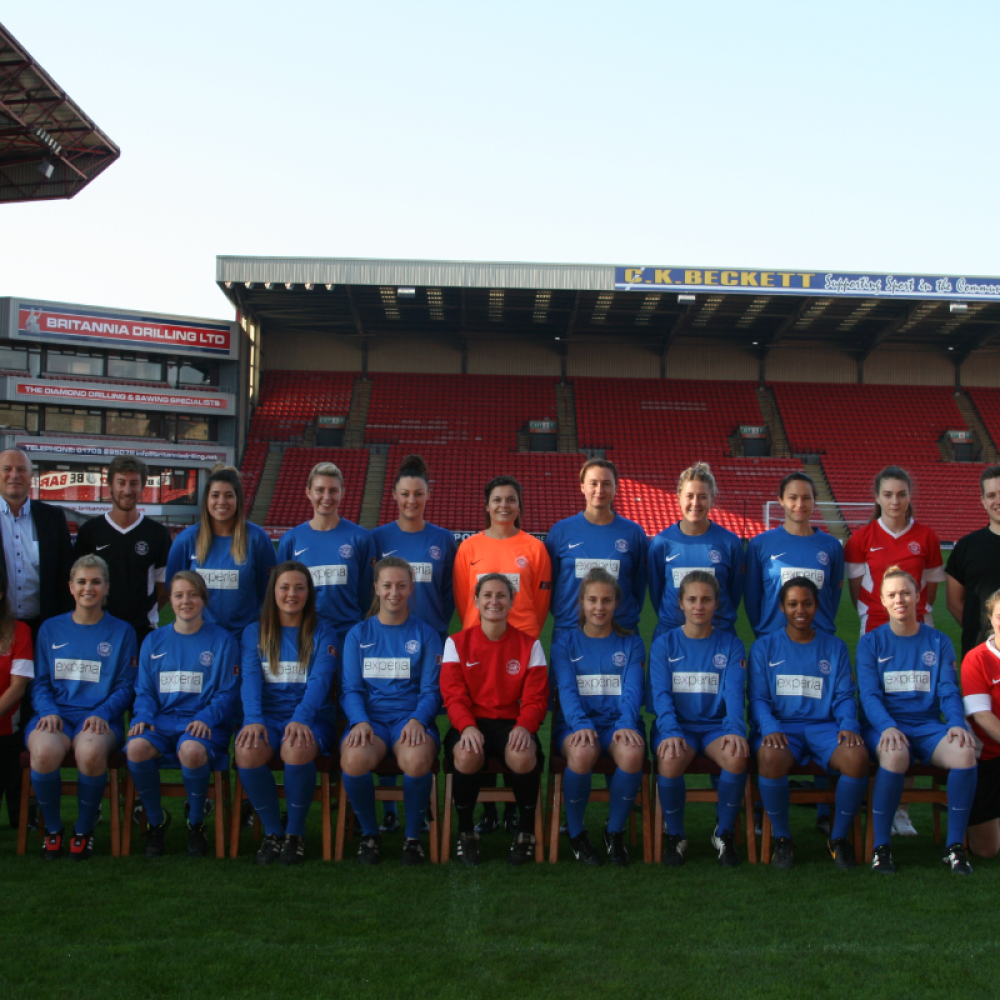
x: 231, y: 554
x: 338, y: 552
x: 597, y: 537
x: 793, y: 550
x: 430, y: 551
x: 695, y: 542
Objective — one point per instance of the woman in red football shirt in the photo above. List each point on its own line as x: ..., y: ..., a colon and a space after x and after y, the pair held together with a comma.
x: 893, y: 538
x: 496, y: 691
x: 16, y: 671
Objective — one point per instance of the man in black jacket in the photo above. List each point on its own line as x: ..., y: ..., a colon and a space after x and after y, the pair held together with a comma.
x: 34, y: 574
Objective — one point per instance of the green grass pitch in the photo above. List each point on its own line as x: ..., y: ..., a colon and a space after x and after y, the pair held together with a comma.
x: 178, y: 928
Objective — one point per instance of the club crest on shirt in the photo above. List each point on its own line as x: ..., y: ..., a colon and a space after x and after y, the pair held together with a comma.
x: 105, y: 649
x: 141, y: 548
x: 914, y: 547
x: 621, y: 545
x: 513, y: 667
x: 823, y: 558
x: 346, y: 551
x: 719, y: 660
x: 618, y: 659
x: 434, y: 552
x: 824, y: 666
x: 715, y: 555
x: 522, y: 562
x: 929, y: 658
x: 413, y: 646
x: 207, y: 658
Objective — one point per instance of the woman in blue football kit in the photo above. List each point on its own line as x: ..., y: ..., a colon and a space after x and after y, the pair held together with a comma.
x: 598, y: 668
x: 338, y: 552
x: 84, y: 674
x: 186, y: 698
x: 289, y: 670
x: 430, y: 551
x: 793, y: 549
x: 695, y: 542
x: 597, y: 537
x: 803, y: 706
x: 390, y: 695
x: 231, y: 554
x: 908, y: 680
x: 697, y: 690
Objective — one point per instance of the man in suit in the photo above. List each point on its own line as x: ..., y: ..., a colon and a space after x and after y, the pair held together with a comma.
x: 34, y: 573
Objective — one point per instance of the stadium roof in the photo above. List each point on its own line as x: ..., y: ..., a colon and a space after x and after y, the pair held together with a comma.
x: 48, y: 147
x: 454, y: 300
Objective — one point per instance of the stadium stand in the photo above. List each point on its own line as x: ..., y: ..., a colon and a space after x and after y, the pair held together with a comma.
x: 550, y: 483
x: 291, y: 400
x: 641, y: 414
x: 290, y: 505
x: 859, y: 429
x: 987, y: 403
x: 480, y: 410
x: 466, y: 427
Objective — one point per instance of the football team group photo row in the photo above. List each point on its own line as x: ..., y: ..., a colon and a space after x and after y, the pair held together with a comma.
x: 335, y: 659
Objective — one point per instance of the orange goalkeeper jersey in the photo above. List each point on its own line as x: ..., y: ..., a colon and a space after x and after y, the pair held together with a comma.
x: 523, y: 560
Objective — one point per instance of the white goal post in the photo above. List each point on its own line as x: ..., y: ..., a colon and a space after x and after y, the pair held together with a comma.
x: 854, y: 515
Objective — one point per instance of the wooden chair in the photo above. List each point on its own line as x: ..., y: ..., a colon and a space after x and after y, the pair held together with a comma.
x: 605, y: 765
x: 936, y: 795
x: 387, y: 768
x: 702, y: 765
x: 811, y: 796
x: 326, y: 765
x: 487, y: 795
x: 218, y: 792
x: 112, y: 792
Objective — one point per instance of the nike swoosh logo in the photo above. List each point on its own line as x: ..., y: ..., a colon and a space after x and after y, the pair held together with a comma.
x: 476, y: 664
x: 673, y: 557
x: 575, y: 659
x: 997, y: 681
x: 156, y: 656
x: 384, y: 554
x: 776, y: 664
x: 884, y: 659
x: 100, y: 548
x: 194, y: 556
x: 574, y: 545
x: 474, y: 561
x: 675, y: 659
x: 60, y: 646
x: 299, y: 552
x: 778, y: 556
x: 367, y: 645
x: 879, y: 549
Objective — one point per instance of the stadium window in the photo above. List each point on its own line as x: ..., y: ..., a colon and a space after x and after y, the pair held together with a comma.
x: 132, y: 423
x: 132, y: 366
x: 19, y: 417
x: 73, y: 363
x: 14, y: 358
x: 193, y: 373
x: 191, y: 428
x: 62, y: 420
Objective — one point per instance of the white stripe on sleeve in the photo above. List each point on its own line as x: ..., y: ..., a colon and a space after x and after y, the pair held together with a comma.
x: 450, y: 652
x: 23, y: 668
x: 977, y: 703
x: 853, y: 570
x: 537, y: 656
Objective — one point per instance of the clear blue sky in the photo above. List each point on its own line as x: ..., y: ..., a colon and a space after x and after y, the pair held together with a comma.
x: 851, y: 136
